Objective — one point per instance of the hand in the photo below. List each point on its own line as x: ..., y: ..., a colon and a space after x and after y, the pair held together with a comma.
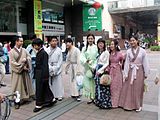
x: 1, y: 97
x: 24, y: 60
x: 25, y: 68
x: 125, y: 79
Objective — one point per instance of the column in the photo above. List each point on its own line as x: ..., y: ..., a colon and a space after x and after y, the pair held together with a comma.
x: 158, y: 30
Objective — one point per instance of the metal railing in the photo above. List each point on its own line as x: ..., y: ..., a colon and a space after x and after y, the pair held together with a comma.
x: 126, y: 4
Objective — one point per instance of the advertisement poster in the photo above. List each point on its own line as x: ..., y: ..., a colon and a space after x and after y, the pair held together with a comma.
x: 92, y: 19
x: 38, y: 16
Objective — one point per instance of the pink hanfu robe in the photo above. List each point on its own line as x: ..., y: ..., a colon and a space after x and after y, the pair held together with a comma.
x: 136, y: 68
x: 117, y: 78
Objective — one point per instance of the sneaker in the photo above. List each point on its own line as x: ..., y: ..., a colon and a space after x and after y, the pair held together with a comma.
x: 139, y: 110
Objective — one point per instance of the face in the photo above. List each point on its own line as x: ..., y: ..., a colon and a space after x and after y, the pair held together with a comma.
x: 133, y: 42
x: 36, y: 47
x: 112, y: 46
x: 100, y: 45
x: 68, y: 45
x: 19, y: 43
x: 54, y: 42
x: 90, y: 40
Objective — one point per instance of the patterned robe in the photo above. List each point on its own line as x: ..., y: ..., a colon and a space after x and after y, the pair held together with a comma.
x: 117, y: 78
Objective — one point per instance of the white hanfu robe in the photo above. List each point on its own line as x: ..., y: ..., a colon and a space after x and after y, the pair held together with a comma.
x: 72, y: 68
x: 55, y: 71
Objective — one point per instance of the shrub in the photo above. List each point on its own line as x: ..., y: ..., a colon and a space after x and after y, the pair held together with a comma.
x: 155, y: 48
x: 26, y: 43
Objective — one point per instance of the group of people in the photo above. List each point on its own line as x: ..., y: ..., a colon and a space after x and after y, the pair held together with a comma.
x: 37, y: 73
x: 127, y: 87
x: 4, y: 61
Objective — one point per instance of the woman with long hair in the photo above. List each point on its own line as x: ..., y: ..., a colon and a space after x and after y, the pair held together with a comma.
x: 102, y: 92
x: 88, y: 60
x: 136, y: 70
x: 116, y: 60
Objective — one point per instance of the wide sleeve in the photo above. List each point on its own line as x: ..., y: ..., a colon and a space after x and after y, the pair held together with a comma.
x: 78, y: 62
x: 15, y: 66
x: 56, y: 68
x: 105, y: 59
x: 126, y: 65
x: 145, y: 64
x: 83, y: 58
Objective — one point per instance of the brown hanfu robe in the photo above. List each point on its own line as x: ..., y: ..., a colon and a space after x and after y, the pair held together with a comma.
x: 20, y: 78
x: 136, y: 68
x: 43, y: 93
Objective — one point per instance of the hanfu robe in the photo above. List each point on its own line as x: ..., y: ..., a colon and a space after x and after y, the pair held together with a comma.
x: 20, y: 79
x: 44, y: 94
x: 89, y: 83
x: 55, y: 71
x: 73, y: 68
x: 116, y: 76
x: 136, y: 68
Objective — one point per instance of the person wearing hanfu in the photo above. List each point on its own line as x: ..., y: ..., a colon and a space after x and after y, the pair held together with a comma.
x: 73, y: 68
x: 88, y: 60
x: 136, y: 70
x: 55, y: 68
x: 44, y: 95
x: 102, y: 92
x: 20, y: 62
x: 115, y: 71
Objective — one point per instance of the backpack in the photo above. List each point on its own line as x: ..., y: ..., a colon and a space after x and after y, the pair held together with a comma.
x: 1, y: 51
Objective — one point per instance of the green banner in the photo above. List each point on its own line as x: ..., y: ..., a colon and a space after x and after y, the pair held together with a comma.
x: 92, y: 19
x: 37, y: 16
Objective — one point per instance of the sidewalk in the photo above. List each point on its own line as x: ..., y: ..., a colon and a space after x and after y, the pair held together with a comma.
x: 68, y: 109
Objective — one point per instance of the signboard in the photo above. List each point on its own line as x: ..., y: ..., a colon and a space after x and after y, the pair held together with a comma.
x: 92, y: 19
x: 53, y: 29
x: 37, y: 16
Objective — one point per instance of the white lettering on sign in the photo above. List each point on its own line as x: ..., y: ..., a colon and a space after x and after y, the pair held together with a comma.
x: 54, y: 28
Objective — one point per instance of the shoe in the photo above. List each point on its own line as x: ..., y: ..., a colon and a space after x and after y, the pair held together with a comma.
x: 37, y: 109
x: 17, y: 105
x: 90, y: 101
x: 59, y: 99
x: 78, y: 99
x: 139, y: 110
x: 3, y: 85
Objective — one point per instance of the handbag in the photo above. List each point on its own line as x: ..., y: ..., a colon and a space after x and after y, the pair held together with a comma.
x: 105, y: 79
x: 79, y: 81
x: 3, y: 59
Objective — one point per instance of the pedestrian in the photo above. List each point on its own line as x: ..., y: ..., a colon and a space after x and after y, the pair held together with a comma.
x: 3, y: 60
x: 115, y: 71
x: 63, y: 47
x: 73, y: 67
x: 55, y: 68
x: 6, y: 53
x: 20, y: 67
x: 136, y: 70
x: 102, y: 92
x: 32, y: 53
x: 44, y: 96
x: 88, y: 60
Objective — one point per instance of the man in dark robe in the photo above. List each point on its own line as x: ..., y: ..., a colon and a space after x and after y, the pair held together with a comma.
x: 44, y: 96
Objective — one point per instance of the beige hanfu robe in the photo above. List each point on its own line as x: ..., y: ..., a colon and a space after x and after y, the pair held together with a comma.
x: 73, y: 68
x: 20, y: 79
x: 136, y: 68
